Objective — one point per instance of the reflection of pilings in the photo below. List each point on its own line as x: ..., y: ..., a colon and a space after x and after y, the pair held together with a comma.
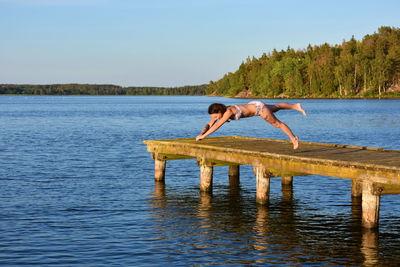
x: 262, y: 227
x: 369, y: 247
x: 205, y: 200
x: 159, y: 189
x: 262, y: 219
x: 159, y: 200
x: 204, y: 209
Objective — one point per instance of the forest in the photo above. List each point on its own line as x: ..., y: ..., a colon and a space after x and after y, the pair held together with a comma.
x: 369, y: 68
x: 366, y: 68
x: 97, y: 89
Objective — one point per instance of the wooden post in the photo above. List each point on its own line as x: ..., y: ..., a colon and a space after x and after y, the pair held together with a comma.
x: 287, y: 188
x: 206, y: 176
x: 356, y: 189
x: 262, y: 184
x: 370, y: 205
x: 287, y: 180
x: 234, y: 173
x: 356, y: 210
x: 356, y: 201
x: 159, y: 169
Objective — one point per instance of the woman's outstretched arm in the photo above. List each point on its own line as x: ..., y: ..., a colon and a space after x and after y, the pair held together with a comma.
x: 205, y: 129
x: 215, y: 125
x: 208, y: 126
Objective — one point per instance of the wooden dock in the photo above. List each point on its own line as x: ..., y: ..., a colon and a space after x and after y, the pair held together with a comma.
x: 374, y: 171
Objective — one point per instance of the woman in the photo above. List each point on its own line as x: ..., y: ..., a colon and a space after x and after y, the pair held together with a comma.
x: 220, y: 114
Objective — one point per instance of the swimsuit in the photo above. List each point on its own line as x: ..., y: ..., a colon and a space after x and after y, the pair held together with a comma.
x: 259, y: 106
x: 239, y: 113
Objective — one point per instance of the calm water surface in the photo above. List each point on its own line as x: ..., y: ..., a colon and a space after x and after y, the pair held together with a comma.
x: 77, y: 187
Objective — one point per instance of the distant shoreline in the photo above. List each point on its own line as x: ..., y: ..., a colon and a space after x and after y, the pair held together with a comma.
x: 98, y: 89
x: 233, y: 97
x: 75, y: 89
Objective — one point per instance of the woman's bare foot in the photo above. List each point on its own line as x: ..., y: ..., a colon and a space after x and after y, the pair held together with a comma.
x: 300, y: 109
x: 295, y: 142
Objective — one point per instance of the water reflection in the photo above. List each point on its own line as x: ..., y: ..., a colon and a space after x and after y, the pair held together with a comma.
x: 261, y: 228
x: 228, y: 226
x: 369, y: 247
x: 159, y: 189
x: 204, y: 212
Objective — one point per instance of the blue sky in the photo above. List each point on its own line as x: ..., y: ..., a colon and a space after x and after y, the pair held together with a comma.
x: 167, y: 42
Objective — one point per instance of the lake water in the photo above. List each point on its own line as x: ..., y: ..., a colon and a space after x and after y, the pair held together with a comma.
x: 77, y: 187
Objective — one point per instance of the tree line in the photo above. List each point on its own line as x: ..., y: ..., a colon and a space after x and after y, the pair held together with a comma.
x: 366, y: 68
x: 97, y: 89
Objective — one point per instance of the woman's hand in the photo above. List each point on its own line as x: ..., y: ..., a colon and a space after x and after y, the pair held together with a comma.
x: 199, y: 137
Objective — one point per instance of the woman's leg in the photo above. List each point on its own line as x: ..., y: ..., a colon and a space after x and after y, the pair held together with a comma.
x: 284, y: 105
x: 269, y: 117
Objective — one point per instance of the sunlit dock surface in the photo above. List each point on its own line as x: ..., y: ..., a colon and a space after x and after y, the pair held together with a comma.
x: 374, y: 171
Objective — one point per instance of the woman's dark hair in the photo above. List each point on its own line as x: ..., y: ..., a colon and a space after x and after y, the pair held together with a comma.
x: 216, y: 108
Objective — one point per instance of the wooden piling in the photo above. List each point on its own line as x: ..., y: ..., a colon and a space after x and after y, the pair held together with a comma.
x: 356, y: 188
x: 234, y: 175
x: 159, y: 169
x: 206, y: 177
x: 287, y: 188
x: 370, y: 205
x: 263, y: 177
x: 287, y: 180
